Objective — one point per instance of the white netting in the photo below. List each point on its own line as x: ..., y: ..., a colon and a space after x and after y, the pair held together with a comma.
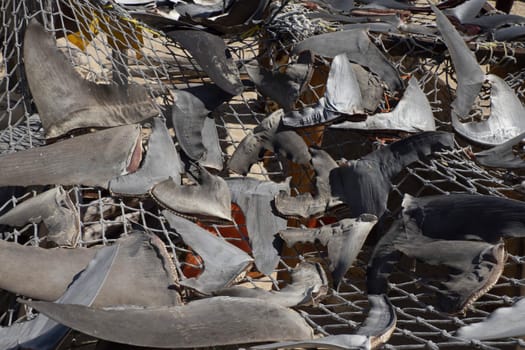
x: 112, y: 46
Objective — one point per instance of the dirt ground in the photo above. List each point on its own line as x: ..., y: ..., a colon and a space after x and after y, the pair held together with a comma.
x: 517, y: 9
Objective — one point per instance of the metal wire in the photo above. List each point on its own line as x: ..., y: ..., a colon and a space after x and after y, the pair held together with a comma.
x: 106, y: 44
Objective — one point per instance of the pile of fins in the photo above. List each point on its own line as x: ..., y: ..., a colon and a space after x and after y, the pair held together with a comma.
x: 204, y: 282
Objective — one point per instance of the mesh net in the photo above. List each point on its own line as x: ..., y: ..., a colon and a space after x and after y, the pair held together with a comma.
x: 105, y: 44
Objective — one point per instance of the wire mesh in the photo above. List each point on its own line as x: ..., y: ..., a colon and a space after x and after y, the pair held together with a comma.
x: 106, y: 44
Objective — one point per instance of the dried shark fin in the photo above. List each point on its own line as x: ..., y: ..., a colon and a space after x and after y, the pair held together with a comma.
x: 343, y: 239
x: 387, y: 4
x: 372, y: 89
x: 92, y: 159
x: 343, y: 94
x: 27, y: 270
x: 239, y: 18
x: 142, y: 263
x: 44, y: 334
x: 188, y: 115
x: 375, y: 330
x: 268, y: 136
x: 339, y: 5
x: 512, y: 33
x: 305, y: 205
x: 284, y: 88
x: 190, y: 118
x: 201, y: 10
x: 161, y: 162
x: 208, y: 199
x: 342, y: 97
x: 201, y: 323
x: 213, y: 57
x: 309, y: 283
x: 423, y: 218
x: 255, y: 198
x: 476, y: 267
x: 384, y: 257
x: 249, y: 151
x: 466, y: 11
x: 380, y: 322
x: 358, y: 48
x: 503, y: 323
x: 374, y: 27
x: 422, y: 221
x: 413, y: 113
x: 336, y: 342
x: 502, y: 217
x: 506, y: 120
x: 301, y: 206
x: 54, y: 209
x: 159, y: 20
x: 494, y: 21
x: 213, y: 158
x: 66, y: 101
x: 469, y: 75
x: 223, y: 262
x: 364, y: 184
x: 502, y: 156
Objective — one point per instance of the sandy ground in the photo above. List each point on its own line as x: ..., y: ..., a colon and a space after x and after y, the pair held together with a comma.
x: 518, y: 8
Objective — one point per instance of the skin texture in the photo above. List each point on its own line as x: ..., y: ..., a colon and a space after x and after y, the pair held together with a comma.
x: 340, y: 5
x: 213, y: 157
x: 364, y: 185
x: 66, y: 101
x: 208, y: 199
x: 342, y: 97
x: 158, y: 20
x: 501, y: 217
x: 55, y: 209
x: 142, y: 264
x: 255, y: 198
x: 506, y: 118
x: 468, y: 72
x: 502, y: 156
x: 375, y: 330
x: 389, y: 4
x: 305, y: 205
x: 309, y: 283
x: 372, y: 89
x: 42, y: 333
x: 210, y: 53
x: 202, y: 10
x: 467, y: 10
x: 422, y: 233
x: 284, y: 88
x: 344, y: 241
x: 380, y: 322
x: 509, y: 34
x: 496, y: 20
x: 201, y: 323
x: 358, y: 48
x: 161, y: 162
x: 240, y: 16
x: 91, y: 159
x: 195, y: 131
x: 479, y: 264
x: 412, y: 114
x: 223, y: 262
x: 379, y: 27
x: 340, y: 341
x: 503, y: 323
x: 268, y: 136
